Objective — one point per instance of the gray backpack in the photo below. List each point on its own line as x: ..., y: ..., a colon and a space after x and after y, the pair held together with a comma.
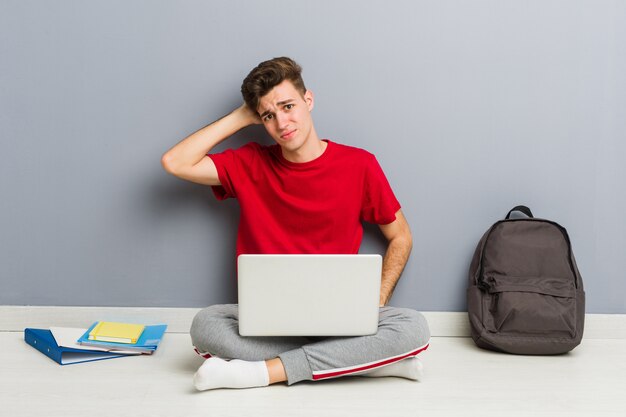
x: 525, y: 293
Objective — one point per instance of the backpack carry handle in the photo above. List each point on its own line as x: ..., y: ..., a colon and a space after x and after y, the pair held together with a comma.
x: 522, y: 209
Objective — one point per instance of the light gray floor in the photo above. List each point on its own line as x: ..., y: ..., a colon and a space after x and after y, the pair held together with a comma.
x: 459, y: 380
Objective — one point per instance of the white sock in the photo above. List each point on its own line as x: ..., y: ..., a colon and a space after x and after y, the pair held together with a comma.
x: 409, y: 368
x: 218, y: 373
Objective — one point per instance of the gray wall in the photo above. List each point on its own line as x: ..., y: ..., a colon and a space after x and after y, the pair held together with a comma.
x: 471, y: 107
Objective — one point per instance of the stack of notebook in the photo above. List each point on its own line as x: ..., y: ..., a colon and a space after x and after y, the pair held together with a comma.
x: 103, y: 340
x: 123, y: 336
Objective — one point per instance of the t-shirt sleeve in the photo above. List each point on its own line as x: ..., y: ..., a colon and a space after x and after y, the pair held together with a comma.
x: 232, y: 170
x: 379, y: 205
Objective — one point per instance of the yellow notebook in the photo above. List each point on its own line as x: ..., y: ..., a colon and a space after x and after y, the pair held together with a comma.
x: 107, y: 331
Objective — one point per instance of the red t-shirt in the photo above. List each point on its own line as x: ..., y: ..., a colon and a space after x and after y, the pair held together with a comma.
x: 314, y: 207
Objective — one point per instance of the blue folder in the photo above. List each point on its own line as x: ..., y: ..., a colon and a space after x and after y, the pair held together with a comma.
x: 43, y: 341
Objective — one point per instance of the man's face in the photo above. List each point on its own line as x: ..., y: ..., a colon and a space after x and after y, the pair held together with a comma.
x: 286, y: 115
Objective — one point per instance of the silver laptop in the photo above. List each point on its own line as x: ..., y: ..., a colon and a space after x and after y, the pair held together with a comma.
x: 308, y: 295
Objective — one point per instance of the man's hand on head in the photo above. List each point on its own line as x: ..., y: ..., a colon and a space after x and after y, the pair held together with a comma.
x: 250, y: 116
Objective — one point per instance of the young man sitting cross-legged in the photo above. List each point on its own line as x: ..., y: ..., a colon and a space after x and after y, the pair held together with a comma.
x: 302, y: 195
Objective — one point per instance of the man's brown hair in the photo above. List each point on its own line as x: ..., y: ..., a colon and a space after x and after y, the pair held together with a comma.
x: 267, y: 75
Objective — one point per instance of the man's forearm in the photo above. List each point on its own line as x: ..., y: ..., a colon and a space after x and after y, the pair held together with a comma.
x: 394, y: 262
x: 193, y: 148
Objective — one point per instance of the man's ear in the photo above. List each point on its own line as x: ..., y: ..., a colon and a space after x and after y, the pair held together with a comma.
x: 309, y: 99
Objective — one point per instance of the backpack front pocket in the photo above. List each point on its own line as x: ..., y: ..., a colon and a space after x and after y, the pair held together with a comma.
x: 527, y: 306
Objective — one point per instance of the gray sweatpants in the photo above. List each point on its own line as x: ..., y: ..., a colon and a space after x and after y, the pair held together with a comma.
x: 402, y: 333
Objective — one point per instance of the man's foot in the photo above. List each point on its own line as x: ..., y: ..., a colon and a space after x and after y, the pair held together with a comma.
x: 218, y: 373
x: 409, y: 368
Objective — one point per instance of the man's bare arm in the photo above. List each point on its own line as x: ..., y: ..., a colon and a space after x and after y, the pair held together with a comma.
x: 398, y: 235
x: 188, y: 160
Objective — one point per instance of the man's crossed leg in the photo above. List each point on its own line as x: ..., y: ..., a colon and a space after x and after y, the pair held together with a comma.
x: 260, y: 361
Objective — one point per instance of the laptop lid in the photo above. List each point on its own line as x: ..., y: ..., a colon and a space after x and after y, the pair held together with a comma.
x: 308, y: 295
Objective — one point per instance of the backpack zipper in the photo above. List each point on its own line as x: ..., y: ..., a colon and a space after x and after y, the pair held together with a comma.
x: 486, y: 285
